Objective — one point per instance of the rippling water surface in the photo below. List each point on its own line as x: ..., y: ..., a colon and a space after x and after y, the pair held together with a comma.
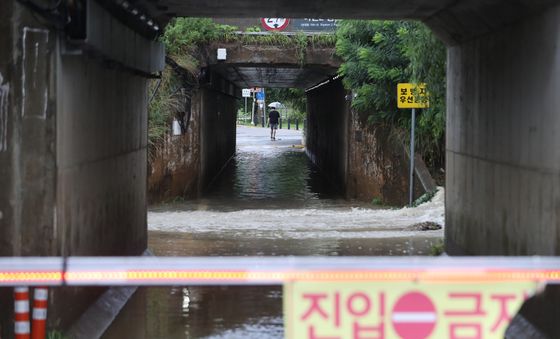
x: 269, y: 200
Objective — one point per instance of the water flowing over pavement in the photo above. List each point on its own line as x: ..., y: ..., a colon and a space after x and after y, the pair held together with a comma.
x: 270, y: 200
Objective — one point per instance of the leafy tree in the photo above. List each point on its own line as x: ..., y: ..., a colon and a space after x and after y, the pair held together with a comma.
x: 293, y: 98
x: 427, y: 57
x: 379, y: 54
x: 373, y: 64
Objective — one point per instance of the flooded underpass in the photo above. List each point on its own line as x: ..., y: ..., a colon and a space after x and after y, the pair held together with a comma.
x: 269, y: 201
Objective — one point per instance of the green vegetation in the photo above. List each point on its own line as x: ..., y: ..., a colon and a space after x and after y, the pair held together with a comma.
x: 55, y: 335
x: 293, y: 98
x: 162, y: 108
x: 183, y: 39
x: 376, y: 56
x: 424, y: 198
x: 184, y: 35
x: 377, y: 201
x: 438, y: 248
x: 379, y: 54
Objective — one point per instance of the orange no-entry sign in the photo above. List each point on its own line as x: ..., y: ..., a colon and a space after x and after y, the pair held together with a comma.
x: 402, y: 309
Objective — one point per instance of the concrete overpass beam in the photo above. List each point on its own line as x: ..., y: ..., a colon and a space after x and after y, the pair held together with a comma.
x: 503, y: 137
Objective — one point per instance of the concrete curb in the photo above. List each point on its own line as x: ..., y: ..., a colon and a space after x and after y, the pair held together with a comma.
x: 101, y: 314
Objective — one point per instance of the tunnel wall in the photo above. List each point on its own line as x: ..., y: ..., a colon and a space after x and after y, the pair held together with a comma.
x: 101, y: 160
x: 174, y: 162
x: 503, y: 141
x: 327, y: 129
x: 27, y: 134
x: 217, y: 109
x: 378, y: 164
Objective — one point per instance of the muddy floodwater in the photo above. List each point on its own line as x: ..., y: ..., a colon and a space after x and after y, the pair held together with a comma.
x: 269, y: 201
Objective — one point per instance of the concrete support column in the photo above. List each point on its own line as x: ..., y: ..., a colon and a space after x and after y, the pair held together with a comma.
x: 503, y: 141
x: 27, y: 133
x: 27, y: 141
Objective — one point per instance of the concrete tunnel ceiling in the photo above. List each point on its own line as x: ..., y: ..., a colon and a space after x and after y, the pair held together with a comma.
x: 454, y: 21
x: 277, y: 76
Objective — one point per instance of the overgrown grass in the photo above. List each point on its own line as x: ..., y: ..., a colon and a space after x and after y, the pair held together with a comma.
x: 161, y: 109
x: 438, y: 248
x: 183, y: 36
x: 377, y: 201
x: 56, y: 335
x: 424, y: 198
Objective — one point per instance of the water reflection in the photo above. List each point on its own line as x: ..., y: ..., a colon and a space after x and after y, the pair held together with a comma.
x: 269, y: 201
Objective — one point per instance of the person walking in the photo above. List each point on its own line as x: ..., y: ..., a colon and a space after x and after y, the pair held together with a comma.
x: 273, y: 117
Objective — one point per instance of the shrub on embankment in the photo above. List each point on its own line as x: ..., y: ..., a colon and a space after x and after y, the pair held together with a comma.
x: 379, y: 54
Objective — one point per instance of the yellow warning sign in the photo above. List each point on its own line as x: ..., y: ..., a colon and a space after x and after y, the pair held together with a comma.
x: 401, y: 309
x: 412, y: 96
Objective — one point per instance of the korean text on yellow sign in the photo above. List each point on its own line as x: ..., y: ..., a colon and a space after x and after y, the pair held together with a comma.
x: 401, y: 309
x: 412, y: 96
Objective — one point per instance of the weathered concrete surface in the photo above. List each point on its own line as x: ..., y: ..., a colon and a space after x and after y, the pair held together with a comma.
x: 27, y: 130
x: 174, y: 162
x: 218, y: 116
x: 27, y: 150
x: 72, y: 157
x: 184, y: 165
x: 326, y: 136
x: 101, y: 159
x: 378, y: 166
x: 273, y: 66
x: 364, y: 161
x: 455, y: 21
x: 503, y: 137
x: 174, y: 169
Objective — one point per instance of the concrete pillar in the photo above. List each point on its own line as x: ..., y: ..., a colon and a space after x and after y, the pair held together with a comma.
x: 503, y: 141
x: 27, y: 140
x: 27, y: 133
x: 73, y: 135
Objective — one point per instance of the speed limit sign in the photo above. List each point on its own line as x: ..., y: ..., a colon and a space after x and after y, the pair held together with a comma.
x: 275, y: 24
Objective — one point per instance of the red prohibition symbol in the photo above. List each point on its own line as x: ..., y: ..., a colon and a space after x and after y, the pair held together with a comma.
x: 275, y: 24
x: 414, y: 316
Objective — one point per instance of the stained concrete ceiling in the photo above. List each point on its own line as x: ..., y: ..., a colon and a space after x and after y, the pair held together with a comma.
x: 276, y: 76
x: 453, y: 20
x: 272, y: 66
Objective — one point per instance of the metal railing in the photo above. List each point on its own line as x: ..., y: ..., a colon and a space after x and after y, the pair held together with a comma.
x: 161, y: 271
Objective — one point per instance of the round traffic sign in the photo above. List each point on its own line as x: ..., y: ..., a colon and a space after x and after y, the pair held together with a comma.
x: 274, y: 24
x: 414, y: 316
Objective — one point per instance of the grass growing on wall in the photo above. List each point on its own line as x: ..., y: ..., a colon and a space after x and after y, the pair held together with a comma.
x: 161, y: 108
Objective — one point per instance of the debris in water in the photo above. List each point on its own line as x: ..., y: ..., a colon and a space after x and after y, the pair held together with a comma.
x: 425, y: 226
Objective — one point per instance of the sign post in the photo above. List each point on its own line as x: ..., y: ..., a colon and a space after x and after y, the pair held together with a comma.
x: 261, y: 101
x: 246, y: 93
x: 412, y: 96
x: 412, y: 146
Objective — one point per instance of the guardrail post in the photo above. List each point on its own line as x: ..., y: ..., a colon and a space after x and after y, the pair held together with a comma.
x: 288, y: 123
x: 22, y: 329
x: 39, y: 323
x: 297, y: 124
